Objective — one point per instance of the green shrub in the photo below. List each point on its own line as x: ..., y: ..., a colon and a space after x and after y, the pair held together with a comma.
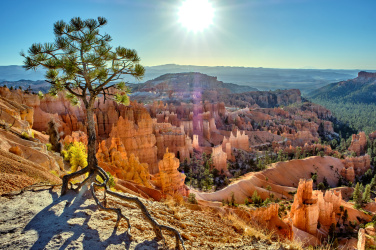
x: 192, y: 198
x: 76, y: 154
x: 111, y: 181
x: 25, y: 135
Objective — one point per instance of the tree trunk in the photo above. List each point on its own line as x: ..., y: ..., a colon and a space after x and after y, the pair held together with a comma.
x: 91, y: 133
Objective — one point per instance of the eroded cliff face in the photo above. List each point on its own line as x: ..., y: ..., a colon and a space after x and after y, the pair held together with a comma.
x: 305, y: 209
x: 115, y: 160
x: 24, y: 160
x: 174, y: 139
x: 358, y: 143
x: 135, y: 132
x: 311, y: 208
x: 355, y: 166
x: 169, y: 179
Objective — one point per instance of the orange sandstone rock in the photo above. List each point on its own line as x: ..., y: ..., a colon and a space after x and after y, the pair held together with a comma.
x: 16, y: 150
x: 115, y: 161
x: 169, y: 179
x: 219, y: 158
x: 358, y: 143
x: 77, y: 136
x: 305, y: 209
x: 137, y: 137
x: 361, y: 239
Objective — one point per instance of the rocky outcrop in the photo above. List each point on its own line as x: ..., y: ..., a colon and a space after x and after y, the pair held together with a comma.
x: 357, y: 165
x: 358, y: 143
x: 169, y: 179
x: 237, y: 139
x: 135, y: 132
x: 219, y: 159
x: 282, y: 177
x: 313, y: 207
x: 301, y: 138
x: 366, y: 74
x: 305, y: 209
x: 115, y: 160
x: 264, y: 99
x: 77, y: 136
x: 174, y: 139
x: 361, y: 239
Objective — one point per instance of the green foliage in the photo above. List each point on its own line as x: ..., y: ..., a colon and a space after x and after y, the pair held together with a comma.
x: 357, y: 196
x: 246, y: 202
x: 345, y: 216
x: 367, y: 194
x: 199, y: 172
x: 192, y: 198
x: 111, y: 181
x: 81, y: 61
x: 76, y: 154
x: 25, y: 135
x: 40, y: 95
x: 256, y: 199
x: 332, y: 234
x: 314, y: 177
x: 49, y: 146
x: 232, y: 199
x: 321, y: 186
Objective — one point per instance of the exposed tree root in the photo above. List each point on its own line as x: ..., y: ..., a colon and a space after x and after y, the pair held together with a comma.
x: 94, y: 183
x: 68, y: 177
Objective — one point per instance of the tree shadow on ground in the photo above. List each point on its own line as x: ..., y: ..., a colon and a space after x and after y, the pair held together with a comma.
x: 54, y: 230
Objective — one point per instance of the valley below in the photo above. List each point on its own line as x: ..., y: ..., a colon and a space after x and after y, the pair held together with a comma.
x: 227, y: 165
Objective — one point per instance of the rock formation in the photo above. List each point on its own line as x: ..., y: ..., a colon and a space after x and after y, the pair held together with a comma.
x: 358, y: 143
x: 237, y: 139
x: 174, y: 139
x: 169, y: 179
x: 305, y: 209
x: 115, y: 160
x: 361, y: 239
x: 219, y: 159
x: 356, y: 165
x: 77, y: 136
x: 135, y: 132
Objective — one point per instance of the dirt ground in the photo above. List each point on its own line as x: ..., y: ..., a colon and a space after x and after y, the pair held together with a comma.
x: 44, y: 220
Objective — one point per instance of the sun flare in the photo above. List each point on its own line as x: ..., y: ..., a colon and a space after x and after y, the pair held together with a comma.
x: 196, y: 15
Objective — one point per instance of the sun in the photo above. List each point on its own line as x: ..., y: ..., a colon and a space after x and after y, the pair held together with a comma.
x: 196, y: 15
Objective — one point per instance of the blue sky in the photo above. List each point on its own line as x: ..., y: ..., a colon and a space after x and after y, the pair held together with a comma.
x: 338, y: 34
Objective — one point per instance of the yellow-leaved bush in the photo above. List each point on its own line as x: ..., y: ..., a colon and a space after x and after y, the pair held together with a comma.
x: 76, y: 154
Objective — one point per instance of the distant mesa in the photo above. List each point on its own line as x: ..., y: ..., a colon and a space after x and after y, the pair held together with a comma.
x: 189, y: 82
x: 366, y: 74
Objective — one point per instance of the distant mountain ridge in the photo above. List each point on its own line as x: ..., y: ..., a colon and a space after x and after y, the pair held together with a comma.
x: 361, y: 89
x: 189, y: 82
x: 353, y: 102
x: 260, y: 78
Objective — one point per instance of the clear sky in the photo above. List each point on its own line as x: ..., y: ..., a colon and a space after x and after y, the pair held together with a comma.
x: 337, y: 34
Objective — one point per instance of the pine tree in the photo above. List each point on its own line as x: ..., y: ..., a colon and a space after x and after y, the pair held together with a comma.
x: 345, y: 216
x: 367, y: 194
x: 357, y: 196
x: 82, y: 63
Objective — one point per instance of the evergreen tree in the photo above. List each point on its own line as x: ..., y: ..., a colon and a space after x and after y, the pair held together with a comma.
x: 82, y: 63
x: 357, y: 196
x: 232, y: 199
x: 367, y: 194
x: 345, y: 216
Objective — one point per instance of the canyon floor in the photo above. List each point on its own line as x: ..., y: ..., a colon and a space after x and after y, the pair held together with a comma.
x: 42, y: 219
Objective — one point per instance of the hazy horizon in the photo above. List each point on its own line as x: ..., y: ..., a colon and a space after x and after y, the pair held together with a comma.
x: 253, y: 67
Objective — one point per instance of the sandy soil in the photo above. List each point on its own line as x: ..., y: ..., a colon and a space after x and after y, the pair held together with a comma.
x: 44, y: 220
